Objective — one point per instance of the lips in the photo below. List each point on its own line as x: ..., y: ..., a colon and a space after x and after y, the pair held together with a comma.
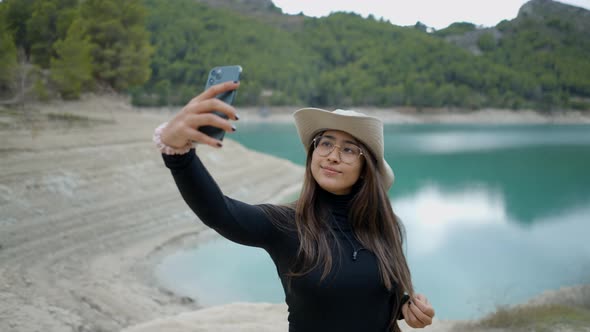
x: 330, y: 169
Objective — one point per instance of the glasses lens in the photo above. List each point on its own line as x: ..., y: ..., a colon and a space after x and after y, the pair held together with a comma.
x: 349, y: 153
x: 324, y: 145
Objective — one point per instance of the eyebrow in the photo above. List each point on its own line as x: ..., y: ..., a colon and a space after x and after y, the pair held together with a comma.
x: 345, y: 141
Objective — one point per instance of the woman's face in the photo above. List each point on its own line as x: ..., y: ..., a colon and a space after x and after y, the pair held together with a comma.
x: 330, y: 171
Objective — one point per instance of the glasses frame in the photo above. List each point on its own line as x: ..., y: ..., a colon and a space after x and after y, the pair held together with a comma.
x: 317, y: 138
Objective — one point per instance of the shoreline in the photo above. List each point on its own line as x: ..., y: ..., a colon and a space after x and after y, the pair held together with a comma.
x: 283, y: 114
x: 400, y: 115
x: 410, y: 116
x: 89, y: 209
x: 439, y: 116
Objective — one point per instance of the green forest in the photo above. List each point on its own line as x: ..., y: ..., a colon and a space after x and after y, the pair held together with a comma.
x: 160, y: 53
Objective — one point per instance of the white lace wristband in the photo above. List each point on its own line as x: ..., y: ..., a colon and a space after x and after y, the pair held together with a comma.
x: 165, y: 149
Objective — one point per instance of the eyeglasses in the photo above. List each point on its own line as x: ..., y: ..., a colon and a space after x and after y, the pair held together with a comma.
x: 349, y: 152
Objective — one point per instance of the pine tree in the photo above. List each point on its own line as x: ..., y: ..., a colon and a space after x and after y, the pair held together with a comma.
x: 16, y: 15
x: 121, y: 50
x: 49, y: 22
x: 72, y: 67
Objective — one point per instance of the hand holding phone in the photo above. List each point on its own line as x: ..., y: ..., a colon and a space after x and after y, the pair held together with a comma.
x: 204, y: 118
x: 219, y: 75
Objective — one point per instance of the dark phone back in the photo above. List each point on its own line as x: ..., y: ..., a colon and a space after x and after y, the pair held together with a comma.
x: 219, y: 75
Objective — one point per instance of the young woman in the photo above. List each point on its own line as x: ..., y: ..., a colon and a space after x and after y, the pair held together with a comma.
x: 338, y: 248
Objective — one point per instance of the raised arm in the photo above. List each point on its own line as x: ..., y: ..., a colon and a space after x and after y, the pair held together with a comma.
x: 235, y: 220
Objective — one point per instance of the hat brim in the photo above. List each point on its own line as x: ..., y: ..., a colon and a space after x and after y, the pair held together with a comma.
x: 368, y: 130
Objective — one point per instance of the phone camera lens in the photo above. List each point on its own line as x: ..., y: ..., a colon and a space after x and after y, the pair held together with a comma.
x: 211, y: 80
x: 216, y: 73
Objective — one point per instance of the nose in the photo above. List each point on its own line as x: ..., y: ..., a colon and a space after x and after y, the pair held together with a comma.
x: 335, y: 154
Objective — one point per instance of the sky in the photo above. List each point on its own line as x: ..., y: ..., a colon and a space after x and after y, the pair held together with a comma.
x: 434, y: 13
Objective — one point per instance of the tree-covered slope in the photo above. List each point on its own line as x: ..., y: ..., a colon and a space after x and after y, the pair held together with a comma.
x: 548, y: 44
x: 160, y: 51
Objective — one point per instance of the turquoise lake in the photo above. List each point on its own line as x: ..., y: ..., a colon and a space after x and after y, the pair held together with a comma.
x: 494, y: 215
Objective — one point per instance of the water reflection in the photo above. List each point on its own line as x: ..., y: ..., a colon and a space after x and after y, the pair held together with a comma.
x: 465, y: 251
x: 448, y: 138
x: 467, y: 254
x: 432, y: 215
x: 534, y: 181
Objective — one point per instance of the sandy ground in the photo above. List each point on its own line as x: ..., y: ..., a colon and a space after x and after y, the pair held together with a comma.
x: 88, y: 209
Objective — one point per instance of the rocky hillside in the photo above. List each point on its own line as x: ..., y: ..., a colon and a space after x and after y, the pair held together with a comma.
x: 547, y: 10
x: 263, y: 10
x: 542, y: 12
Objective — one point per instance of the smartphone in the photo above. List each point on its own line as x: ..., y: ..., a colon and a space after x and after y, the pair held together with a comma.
x: 219, y: 75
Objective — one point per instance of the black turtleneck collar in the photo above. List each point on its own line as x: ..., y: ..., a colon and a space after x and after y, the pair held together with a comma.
x: 339, y: 206
x: 338, y: 202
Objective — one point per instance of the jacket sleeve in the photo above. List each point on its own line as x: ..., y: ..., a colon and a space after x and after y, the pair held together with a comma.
x: 235, y: 220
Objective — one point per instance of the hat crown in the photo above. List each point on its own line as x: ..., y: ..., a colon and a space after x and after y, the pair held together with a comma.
x: 348, y: 112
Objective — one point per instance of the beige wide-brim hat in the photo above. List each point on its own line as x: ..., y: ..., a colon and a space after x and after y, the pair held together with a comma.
x: 367, y: 129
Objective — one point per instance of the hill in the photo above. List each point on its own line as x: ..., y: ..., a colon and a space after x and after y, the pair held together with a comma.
x: 548, y: 41
x: 160, y: 52
x: 347, y: 60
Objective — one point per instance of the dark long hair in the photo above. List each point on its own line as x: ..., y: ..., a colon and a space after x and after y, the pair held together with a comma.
x: 374, y: 223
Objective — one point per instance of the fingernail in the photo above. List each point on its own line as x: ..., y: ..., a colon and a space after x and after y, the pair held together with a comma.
x: 233, y: 128
x: 219, y: 144
x: 236, y: 82
x: 237, y: 117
